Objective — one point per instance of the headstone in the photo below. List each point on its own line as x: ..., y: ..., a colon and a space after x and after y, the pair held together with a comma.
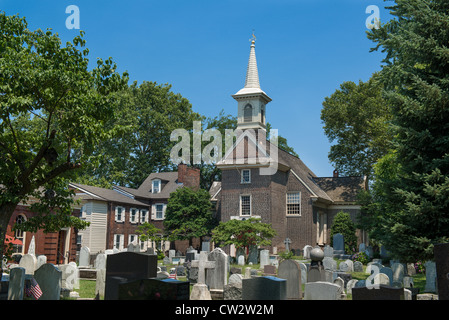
x: 441, y: 256
x: 264, y: 258
x: 125, y: 267
x: 381, y: 278
x: 190, y: 256
x: 200, y: 290
x: 133, y: 247
x: 241, y: 260
x: 328, y: 251
x: 329, y: 264
x: 100, y: 283
x: 100, y: 261
x: 303, y: 272
x: 411, y: 271
x: 171, y: 255
x: 290, y: 270
x: 166, y: 260
x: 264, y: 288
x: 216, y: 277
x: 351, y: 284
x: 41, y: 260
x: 398, y: 272
x: 384, y: 292
x: 205, y: 246
x: 84, y: 260
x: 338, y: 244
x: 269, y: 270
x: 340, y: 282
x: 358, y: 266
x: 235, y: 278
x: 28, y: 262
x: 232, y: 291
x: 16, y: 284
x: 350, y: 265
x: 154, y: 289
x: 253, y: 255
x: 362, y: 247
x: 287, y: 243
x: 68, y: 276
x: 321, y: 290
x: 306, y: 250
x: 389, y: 272
x: 49, y: 278
x: 431, y: 275
x: 343, y: 267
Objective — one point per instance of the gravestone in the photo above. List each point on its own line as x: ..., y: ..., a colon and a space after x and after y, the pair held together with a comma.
x: 84, y: 259
x: 441, y: 256
x: 381, y: 278
x: 306, y: 250
x: 253, y: 255
x: 205, y: 246
x: 125, y: 267
x: 217, y: 277
x: 16, y: 283
x: 338, y: 244
x: 241, y: 260
x: 100, y: 283
x: 398, y: 272
x: 350, y: 265
x: 28, y: 262
x: 362, y: 247
x: 264, y: 258
x: 321, y: 290
x: 328, y: 251
x: 68, y: 276
x: 232, y: 291
x: 290, y: 270
x: 41, y: 260
x: 389, y: 272
x: 100, y: 261
x: 384, y: 292
x: 287, y: 243
x: 304, y: 271
x: 154, y: 289
x: 316, y: 270
x: 49, y: 278
x: 351, y: 284
x: 358, y: 266
x: 200, y: 290
x: 329, y: 264
x: 269, y: 270
x: 264, y: 288
x: 235, y: 278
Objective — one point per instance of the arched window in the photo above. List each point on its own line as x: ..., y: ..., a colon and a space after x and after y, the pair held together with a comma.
x: 248, y: 113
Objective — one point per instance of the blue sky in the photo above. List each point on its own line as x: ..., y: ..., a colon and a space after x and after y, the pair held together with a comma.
x: 305, y: 50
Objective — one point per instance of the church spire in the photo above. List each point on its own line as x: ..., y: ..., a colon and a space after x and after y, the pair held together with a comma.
x: 252, y: 75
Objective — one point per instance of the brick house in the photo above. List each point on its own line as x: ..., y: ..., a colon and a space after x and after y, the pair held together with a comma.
x: 298, y: 204
x: 115, y: 214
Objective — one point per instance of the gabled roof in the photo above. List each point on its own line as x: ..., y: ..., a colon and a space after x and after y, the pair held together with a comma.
x: 341, y: 189
x: 87, y: 192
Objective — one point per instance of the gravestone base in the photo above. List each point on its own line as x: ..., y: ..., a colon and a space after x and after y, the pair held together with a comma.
x: 217, y: 294
x: 200, y: 292
x: 88, y: 273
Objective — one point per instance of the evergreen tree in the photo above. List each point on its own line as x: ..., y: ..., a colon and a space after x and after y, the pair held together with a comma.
x: 413, y: 197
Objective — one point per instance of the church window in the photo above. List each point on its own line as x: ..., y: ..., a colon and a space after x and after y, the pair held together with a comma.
x: 246, y: 176
x: 293, y: 203
x: 245, y: 205
x: 248, y: 113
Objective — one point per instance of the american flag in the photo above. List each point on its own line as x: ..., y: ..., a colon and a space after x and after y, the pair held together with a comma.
x: 34, y: 289
x: 173, y: 275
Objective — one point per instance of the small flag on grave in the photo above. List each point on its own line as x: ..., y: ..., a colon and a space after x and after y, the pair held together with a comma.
x: 173, y: 275
x: 33, y: 289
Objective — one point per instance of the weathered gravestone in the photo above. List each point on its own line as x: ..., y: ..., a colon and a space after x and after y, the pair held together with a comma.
x: 28, y: 262
x: 154, y: 289
x: 290, y: 270
x: 217, y: 277
x: 125, y: 267
x: 264, y: 258
x: 84, y: 259
x: 321, y: 290
x: 253, y: 254
x: 338, y: 245
x: 49, y: 278
x: 264, y: 288
x: 383, y: 292
x: 441, y: 256
x: 68, y: 276
x: 306, y: 251
x: 358, y: 266
x: 200, y: 290
x: 16, y: 284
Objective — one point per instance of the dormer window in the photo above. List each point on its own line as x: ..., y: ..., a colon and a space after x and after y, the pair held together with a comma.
x: 156, y: 186
x: 248, y: 113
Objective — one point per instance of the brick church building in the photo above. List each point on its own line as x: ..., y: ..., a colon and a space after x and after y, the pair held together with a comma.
x: 261, y: 180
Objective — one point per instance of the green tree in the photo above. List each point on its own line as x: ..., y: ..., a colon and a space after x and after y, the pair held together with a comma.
x: 52, y: 116
x: 188, y: 214
x: 344, y: 225
x: 416, y: 75
x: 147, y: 115
x: 243, y: 233
x: 356, y: 118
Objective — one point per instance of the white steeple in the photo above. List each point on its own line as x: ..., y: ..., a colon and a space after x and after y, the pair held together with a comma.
x: 251, y: 98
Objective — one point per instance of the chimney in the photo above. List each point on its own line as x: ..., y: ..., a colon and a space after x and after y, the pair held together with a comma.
x: 335, y: 173
x: 189, y: 177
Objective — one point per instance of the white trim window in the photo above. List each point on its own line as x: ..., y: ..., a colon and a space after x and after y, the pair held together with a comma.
x: 158, y: 211
x: 118, y: 241
x: 133, y: 215
x: 119, y: 214
x: 156, y: 186
x: 246, y: 176
x: 245, y: 205
x: 143, y: 215
x: 293, y: 203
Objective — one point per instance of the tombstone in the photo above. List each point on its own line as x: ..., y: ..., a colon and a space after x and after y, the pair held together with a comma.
x: 100, y: 283
x: 381, y: 278
x: 343, y: 267
x: 329, y: 264
x: 28, y: 262
x: 125, y: 267
x: 384, y: 292
x: 154, y: 289
x: 84, y: 259
x: 287, y: 243
x: 290, y: 270
x: 389, y: 272
x: 41, y: 260
x: 316, y: 270
x: 248, y: 272
x: 68, y: 276
x: 351, y: 284
x: 264, y: 258
x: 171, y: 255
x: 100, y: 261
x: 328, y: 251
x: 264, y: 288
x: 321, y: 290
x: 338, y: 244
x: 372, y: 267
x: 340, y: 282
x: 190, y: 256
x: 16, y: 283
x: 411, y: 271
x: 269, y: 270
x: 441, y: 254
x: 303, y: 272
x: 235, y: 278
x: 241, y: 260
x: 205, y: 246
x: 232, y: 291
x: 253, y: 255
x: 358, y: 266
x: 217, y: 277
x: 49, y: 278
x: 398, y: 272
x: 200, y: 290
x: 133, y: 247
x: 350, y: 265
x: 362, y: 247
x: 306, y: 250
x: 166, y: 260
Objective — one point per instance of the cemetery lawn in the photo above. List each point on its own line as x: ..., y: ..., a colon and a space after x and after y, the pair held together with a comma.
x: 87, y: 289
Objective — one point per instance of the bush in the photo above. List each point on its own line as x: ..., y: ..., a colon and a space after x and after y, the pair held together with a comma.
x: 344, y: 225
x: 361, y: 257
x: 419, y: 267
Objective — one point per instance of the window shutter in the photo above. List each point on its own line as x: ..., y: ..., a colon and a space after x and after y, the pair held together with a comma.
x: 116, y: 213
x: 153, y: 212
x: 164, y: 208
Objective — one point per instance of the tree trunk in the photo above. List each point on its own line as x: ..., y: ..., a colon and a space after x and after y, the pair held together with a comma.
x: 6, y: 211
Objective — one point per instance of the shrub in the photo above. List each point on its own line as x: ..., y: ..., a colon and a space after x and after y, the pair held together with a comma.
x: 361, y: 257
x: 344, y: 225
x: 419, y: 267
